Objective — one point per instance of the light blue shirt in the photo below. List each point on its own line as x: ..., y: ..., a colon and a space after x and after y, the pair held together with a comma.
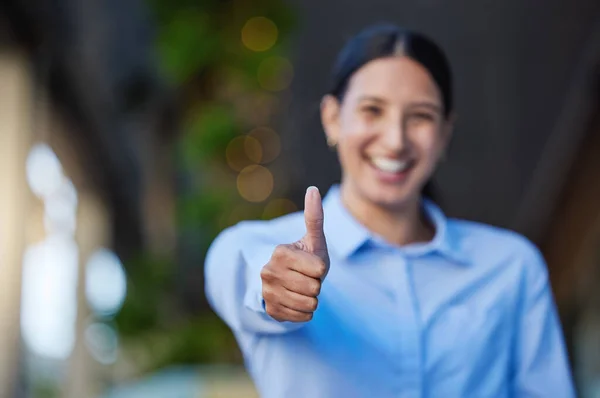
x: 468, y: 315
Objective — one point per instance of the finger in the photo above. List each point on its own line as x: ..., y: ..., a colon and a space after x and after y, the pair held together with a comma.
x: 307, y: 264
x: 301, y: 284
x: 282, y: 313
x: 298, y: 302
x: 294, y: 257
x: 314, y: 240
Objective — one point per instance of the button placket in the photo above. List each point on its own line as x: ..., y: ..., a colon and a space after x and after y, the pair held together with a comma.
x: 409, y: 341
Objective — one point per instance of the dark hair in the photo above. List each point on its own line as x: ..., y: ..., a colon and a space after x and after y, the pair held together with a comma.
x: 387, y: 40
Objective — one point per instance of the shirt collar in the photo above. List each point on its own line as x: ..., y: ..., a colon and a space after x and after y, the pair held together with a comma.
x: 345, y: 235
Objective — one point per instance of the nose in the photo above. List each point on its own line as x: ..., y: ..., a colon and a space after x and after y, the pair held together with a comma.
x: 394, y: 136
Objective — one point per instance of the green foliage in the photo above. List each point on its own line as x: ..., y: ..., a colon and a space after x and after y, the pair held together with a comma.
x: 149, y: 281
x: 209, y: 130
x: 205, y: 339
x: 186, y: 45
x: 202, y: 55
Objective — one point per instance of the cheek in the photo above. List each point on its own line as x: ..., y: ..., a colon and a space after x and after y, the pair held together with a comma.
x: 428, y: 142
x: 350, y: 149
x: 353, y: 126
x: 355, y: 135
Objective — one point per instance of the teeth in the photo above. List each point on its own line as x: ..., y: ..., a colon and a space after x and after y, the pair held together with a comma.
x: 389, y: 165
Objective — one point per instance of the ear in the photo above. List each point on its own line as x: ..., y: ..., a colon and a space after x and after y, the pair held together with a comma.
x: 330, y: 118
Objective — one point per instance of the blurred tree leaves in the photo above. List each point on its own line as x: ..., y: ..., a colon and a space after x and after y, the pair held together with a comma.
x: 209, y: 130
x: 195, y: 47
x: 150, y: 280
x: 201, y: 53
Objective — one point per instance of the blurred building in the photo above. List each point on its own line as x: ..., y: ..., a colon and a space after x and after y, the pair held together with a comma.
x: 83, y: 164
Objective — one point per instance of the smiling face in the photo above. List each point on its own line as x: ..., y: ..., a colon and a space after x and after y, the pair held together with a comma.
x: 390, y: 131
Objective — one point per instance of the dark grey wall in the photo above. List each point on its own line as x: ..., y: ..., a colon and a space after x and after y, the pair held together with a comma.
x: 516, y: 66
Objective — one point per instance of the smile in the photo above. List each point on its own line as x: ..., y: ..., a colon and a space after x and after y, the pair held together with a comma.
x: 390, y: 165
x: 391, y: 171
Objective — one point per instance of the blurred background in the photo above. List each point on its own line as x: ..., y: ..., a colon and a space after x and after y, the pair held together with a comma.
x: 132, y: 132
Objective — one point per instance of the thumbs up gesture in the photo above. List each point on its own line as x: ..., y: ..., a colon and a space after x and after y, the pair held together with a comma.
x: 291, y: 280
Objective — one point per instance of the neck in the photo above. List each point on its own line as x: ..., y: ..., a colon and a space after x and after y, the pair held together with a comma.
x: 399, y: 226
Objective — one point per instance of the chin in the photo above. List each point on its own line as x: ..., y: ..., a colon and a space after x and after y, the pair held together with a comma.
x: 389, y: 197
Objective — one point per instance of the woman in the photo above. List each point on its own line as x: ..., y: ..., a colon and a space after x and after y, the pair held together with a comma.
x: 381, y: 295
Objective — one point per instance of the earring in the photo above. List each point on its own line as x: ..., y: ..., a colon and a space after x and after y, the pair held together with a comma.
x: 331, y: 143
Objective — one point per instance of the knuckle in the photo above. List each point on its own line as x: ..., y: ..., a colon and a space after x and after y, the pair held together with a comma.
x: 314, y: 288
x: 280, y: 253
x: 267, y: 274
x: 275, y: 313
x: 305, y: 304
x: 270, y: 310
x: 321, y: 267
x: 306, y: 317
x: 313, y: 303
x: 268, y: 294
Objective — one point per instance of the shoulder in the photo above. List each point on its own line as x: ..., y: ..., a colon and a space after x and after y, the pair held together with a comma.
x: 251, y: 234
x: 476, y: 233
x: 484, y: 243
x: 285, y: 229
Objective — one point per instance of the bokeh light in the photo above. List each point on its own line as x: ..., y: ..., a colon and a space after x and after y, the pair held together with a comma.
x: 257, y: 109
x: 253, y: 149
x: 60, y: 209
x: 102, y: 342
x: 279, y: 207
x: 259, y: 34
x: 49, y: 297
x: 44, y: 171
x: 255, y: 183
x: 242, y: 152
x: 105, y: 282
x: 269, y: 142
x: 275, y: 73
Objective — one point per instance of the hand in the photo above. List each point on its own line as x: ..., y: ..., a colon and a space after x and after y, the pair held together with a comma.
x: 291, y: 280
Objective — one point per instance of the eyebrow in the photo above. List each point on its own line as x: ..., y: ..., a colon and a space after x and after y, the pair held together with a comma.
x: 420, y: 104
x: 432, y: 106
x: 371, y: 98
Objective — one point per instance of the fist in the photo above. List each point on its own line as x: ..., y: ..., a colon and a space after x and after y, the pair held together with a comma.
x: 291, y: 280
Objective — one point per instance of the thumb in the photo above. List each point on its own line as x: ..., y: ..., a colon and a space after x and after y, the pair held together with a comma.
x: 314, y: 240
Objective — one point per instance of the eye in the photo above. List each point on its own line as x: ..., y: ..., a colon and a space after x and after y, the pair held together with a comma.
x: 424, y: 116
x: 372, y: 110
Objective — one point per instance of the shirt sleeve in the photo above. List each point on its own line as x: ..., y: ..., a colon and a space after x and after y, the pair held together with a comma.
x: 541, y: 368
x: 233, y: 286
